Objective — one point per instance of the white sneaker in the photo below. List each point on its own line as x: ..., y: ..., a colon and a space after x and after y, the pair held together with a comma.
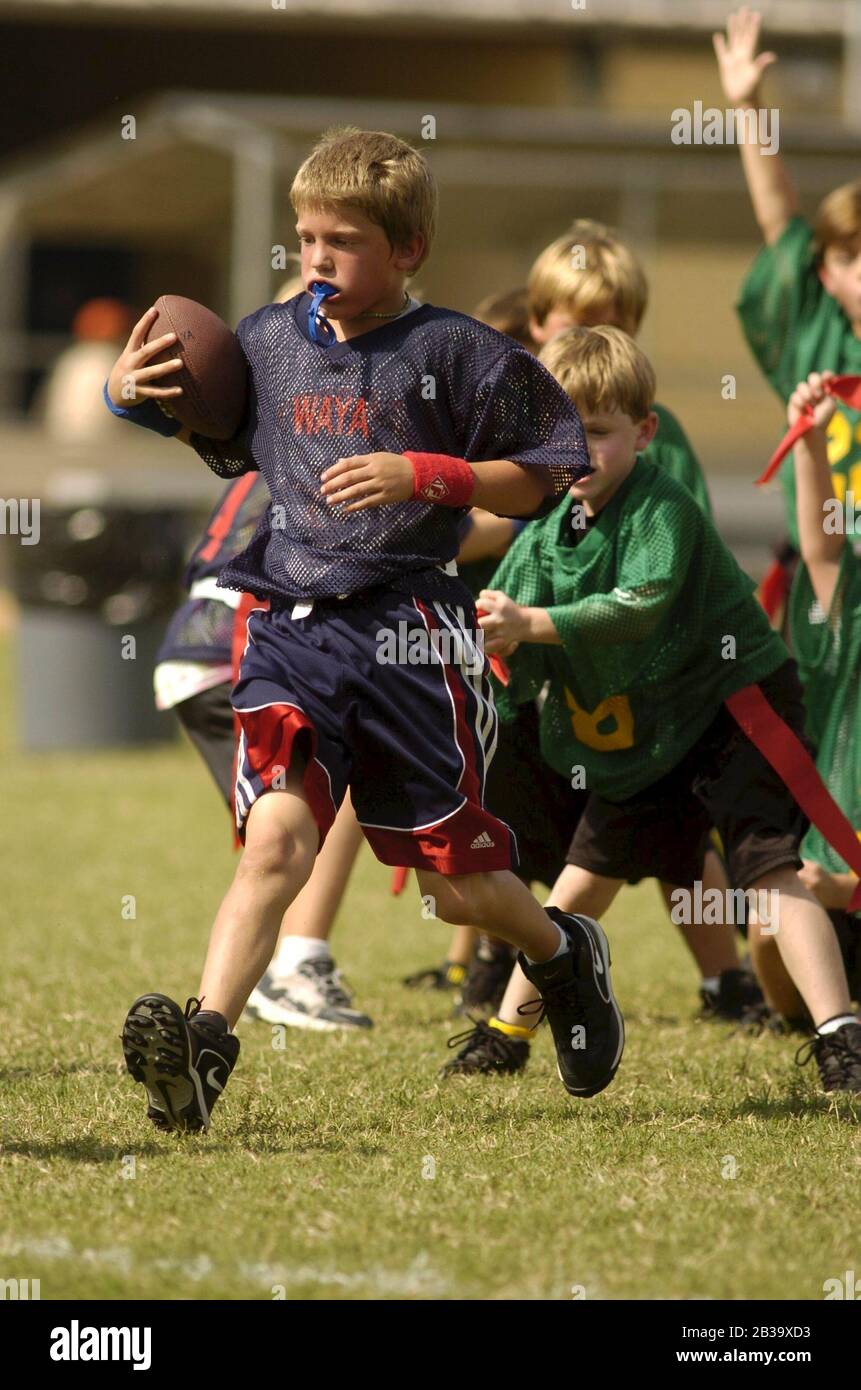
x: 313, y: 997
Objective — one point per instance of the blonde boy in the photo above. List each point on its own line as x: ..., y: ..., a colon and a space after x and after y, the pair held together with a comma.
x: 588, y: 277
x: 370, y: 473
x: 628, y: 604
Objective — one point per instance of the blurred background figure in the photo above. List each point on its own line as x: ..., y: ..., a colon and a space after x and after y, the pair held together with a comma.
x: 69, y: 402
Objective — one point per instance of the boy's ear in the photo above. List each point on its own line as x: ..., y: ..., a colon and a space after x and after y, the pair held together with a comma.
x: 647, y: 430
x: 407, y: 256
x: 538, y: 331
x: 825, y: 278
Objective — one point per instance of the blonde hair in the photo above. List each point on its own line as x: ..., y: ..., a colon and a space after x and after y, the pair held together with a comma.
x: 590, y: 274
x: 507, y: 312
x: 838, y: 220
x: 602, y: 369
x: 380, y: 175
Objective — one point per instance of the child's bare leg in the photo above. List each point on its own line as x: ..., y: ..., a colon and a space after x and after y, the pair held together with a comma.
x: 462, y: 946
x: 313, y: 912
x: 575, y: 890
x: 774, y: 980
x: 712, y: 944
x: 567, y: 963
x: 280, y: 846
x: 495, y: 901
x: 807, y: 943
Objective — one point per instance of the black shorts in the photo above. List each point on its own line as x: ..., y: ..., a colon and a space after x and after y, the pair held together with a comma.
x: 723, y: 782
x: 537, y: 802
x: 208, y: 720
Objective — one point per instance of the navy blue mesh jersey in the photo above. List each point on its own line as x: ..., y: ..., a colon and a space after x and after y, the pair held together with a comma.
x: 432, y: 381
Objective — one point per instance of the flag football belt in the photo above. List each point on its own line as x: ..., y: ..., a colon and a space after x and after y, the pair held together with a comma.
x: 844, y: 388
x: 785, y: 752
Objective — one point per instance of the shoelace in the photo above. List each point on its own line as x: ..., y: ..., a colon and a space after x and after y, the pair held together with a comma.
x: 567, y: 994
x: 329, y: 981
x: 497, y: 1043
x: 841, y: 1049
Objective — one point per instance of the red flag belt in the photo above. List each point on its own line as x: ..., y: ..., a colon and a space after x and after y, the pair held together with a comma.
x: 793, y: 764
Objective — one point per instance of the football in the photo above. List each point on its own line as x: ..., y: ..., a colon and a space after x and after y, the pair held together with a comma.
x: 213, y: 376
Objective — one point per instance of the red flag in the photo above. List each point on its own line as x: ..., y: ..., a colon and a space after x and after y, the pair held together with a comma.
x: 846, y: 388
x: 497, y: 665
x: 797, y: 770
x: 399, y: 881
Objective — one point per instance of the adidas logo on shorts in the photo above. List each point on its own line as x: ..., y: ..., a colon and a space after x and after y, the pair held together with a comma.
x: 483, y: 841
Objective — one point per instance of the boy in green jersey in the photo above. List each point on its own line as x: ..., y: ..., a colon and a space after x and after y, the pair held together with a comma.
x: 800, y: 306
x: 826, y: 625
x: 627, y: 605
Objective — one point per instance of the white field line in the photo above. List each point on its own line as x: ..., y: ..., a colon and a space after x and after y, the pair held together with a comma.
x: 419, y: 1278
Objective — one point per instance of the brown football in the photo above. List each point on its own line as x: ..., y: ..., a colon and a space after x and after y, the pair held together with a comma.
x: 214, y: 373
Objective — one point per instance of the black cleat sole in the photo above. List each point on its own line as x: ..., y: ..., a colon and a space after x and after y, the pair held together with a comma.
x: 158, y: 1056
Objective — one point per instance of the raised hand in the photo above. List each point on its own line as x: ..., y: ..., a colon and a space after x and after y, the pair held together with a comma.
x: 812, y: 395
x: 740, y: 66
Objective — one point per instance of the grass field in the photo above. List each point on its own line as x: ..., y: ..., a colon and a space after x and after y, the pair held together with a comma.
x: 311, y: 1181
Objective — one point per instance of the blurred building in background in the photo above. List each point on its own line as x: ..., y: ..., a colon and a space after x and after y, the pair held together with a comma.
x: 149, y: 147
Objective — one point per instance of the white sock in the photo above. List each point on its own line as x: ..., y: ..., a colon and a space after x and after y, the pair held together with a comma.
x: 564, y: 945
x: 711, y: 984
x: 832, y: 1024
x: 294, y: 951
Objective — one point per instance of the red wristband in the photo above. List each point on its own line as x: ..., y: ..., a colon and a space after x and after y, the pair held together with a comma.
x: 439, y: 478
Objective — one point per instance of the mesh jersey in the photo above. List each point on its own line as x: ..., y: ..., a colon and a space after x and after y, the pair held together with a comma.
x: 202, y: 628
x: 828, y: 651
x: 432, y: 381
x: 794, y: 327
x: 672, y: 451
x: 644, y: 604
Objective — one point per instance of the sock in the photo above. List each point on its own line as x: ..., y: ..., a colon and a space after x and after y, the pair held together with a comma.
x: 293, y: 951
x: 454, y: 971
x: 511, y: 1030
x: 710, y: 984
x: 832, y: 1024
x: 563, y: 946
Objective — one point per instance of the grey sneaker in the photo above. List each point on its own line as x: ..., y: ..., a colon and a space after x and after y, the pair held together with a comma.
x: 314, y: 997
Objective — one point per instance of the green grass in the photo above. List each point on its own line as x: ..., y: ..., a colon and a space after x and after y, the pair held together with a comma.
x: 311, y: 1178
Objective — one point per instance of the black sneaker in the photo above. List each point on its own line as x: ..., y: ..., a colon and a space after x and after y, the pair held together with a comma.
x: 759, y: 1019
x: 486, y: 1049
x: 488, y: 976
x: 738, y: 992
x: 577, y: 996
x: 183, y: 1062
x: 449, y: 975
x: 838, y: 1057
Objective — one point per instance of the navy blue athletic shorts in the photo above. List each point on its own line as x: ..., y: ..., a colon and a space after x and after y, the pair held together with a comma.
x: 387, y: 693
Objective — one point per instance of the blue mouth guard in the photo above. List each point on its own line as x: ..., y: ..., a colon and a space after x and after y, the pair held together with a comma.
x: 319, y: 331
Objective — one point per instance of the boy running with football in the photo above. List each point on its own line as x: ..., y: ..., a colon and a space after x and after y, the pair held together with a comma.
x: 375, y: 425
